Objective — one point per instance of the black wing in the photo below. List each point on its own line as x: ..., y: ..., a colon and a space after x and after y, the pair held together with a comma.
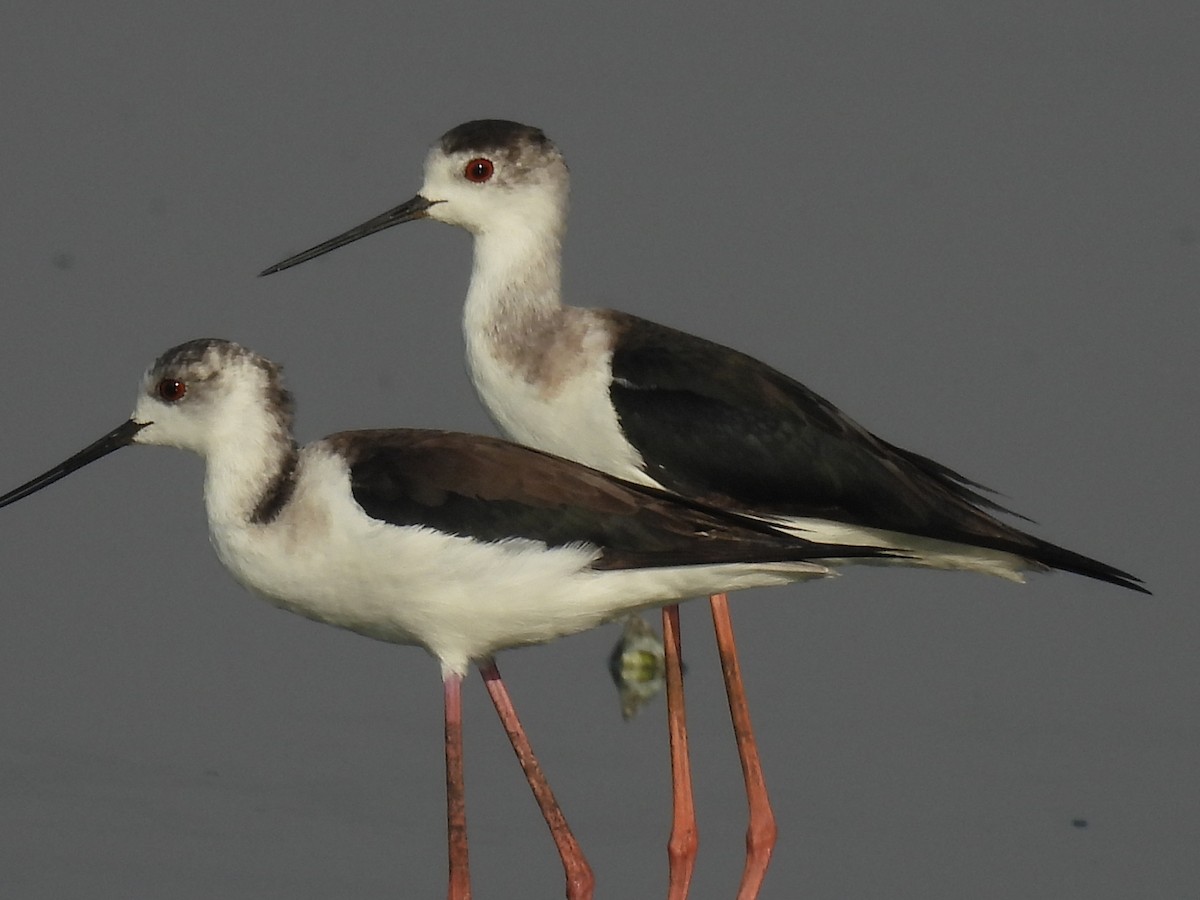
x: 493, y: 490
x: 769, y: 444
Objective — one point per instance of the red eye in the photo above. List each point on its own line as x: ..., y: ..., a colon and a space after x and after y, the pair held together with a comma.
x: 479, y: 170
x: 171, y: 390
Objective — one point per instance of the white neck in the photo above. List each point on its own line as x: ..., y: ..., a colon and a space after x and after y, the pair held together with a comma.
x: 516, y: 285
x: 243, y: 466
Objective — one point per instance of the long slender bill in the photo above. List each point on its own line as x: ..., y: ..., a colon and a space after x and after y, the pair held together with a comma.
x: 407, y: 211
x: 119, y: 437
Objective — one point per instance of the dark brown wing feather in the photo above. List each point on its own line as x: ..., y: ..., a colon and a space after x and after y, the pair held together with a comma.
x: 493, y: 490
x: 770, y: 445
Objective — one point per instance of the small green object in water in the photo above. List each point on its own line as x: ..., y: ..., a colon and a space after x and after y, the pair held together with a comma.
x: 637, y: 666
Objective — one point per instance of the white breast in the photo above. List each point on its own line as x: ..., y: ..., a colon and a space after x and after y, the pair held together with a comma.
x: 569, y: 414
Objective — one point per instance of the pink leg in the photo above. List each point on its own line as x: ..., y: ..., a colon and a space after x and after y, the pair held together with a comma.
x: 761, y: 832
x: 684, y: 841
x: 580, y: 881
x: 456, y: 805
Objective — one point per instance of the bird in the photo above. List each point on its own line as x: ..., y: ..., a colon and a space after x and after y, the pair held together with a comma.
x: 460, y: 544
x: 655, y: 405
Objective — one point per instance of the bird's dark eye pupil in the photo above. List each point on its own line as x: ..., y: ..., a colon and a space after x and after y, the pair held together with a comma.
x: 171, y: 390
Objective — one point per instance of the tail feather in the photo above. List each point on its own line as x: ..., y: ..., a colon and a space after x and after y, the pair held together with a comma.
x: 1069, y: 561
x: 1005, y: 552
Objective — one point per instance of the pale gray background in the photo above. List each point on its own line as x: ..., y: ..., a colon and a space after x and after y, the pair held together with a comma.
x: 976, y: 231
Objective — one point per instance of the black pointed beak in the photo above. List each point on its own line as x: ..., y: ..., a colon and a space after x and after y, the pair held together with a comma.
x: 406, y: 212
x: 119, y: 437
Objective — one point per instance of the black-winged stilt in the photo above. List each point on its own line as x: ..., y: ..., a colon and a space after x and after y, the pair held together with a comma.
x: 652, y: 404
x: 460, y: 544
